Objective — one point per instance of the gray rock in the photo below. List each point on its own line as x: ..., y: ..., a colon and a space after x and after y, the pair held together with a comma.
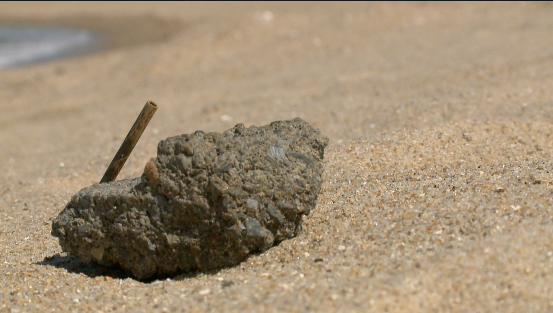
x: 206, y: 201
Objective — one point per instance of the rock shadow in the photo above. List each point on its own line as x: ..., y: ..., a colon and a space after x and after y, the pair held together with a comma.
x: 72, y: 264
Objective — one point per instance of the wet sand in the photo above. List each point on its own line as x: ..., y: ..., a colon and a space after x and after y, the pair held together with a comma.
x: 438, y: 177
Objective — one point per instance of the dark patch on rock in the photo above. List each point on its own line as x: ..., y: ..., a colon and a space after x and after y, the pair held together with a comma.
x: 206, y: 201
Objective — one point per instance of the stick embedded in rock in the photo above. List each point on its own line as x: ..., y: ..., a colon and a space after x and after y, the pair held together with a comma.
x: 130, y: 141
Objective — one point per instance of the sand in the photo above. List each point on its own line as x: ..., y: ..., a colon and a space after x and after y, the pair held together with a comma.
x: 438, y: 177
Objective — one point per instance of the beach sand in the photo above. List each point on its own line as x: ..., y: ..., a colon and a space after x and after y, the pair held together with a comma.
x: 438, y: 181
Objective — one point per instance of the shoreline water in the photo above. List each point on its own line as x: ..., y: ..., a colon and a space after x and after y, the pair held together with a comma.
x: 23, y: 45
x: 82, y: 35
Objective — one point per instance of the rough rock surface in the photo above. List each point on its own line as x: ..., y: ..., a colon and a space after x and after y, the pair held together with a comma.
x: 207, y: 200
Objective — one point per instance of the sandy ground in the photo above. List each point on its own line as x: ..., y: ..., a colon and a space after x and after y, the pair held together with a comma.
x: 438, y: 180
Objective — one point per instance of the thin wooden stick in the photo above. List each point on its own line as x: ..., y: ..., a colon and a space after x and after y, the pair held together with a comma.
x: 130, y: 141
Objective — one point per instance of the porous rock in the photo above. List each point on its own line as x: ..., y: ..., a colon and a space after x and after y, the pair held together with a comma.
x: 208, y: 200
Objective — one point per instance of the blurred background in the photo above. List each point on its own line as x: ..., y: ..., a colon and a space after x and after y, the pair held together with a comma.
x: 354, y: 70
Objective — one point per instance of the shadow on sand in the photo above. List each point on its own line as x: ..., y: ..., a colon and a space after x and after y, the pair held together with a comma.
x: 92, y: 270
x: 73, y: 265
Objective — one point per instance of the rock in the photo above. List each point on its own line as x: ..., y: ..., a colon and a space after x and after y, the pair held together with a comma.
x: 207, y: 201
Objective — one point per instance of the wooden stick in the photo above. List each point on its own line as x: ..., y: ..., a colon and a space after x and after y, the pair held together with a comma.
x: 130, y: 141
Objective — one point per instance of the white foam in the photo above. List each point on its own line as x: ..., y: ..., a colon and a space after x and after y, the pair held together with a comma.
x: 23, y: 45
